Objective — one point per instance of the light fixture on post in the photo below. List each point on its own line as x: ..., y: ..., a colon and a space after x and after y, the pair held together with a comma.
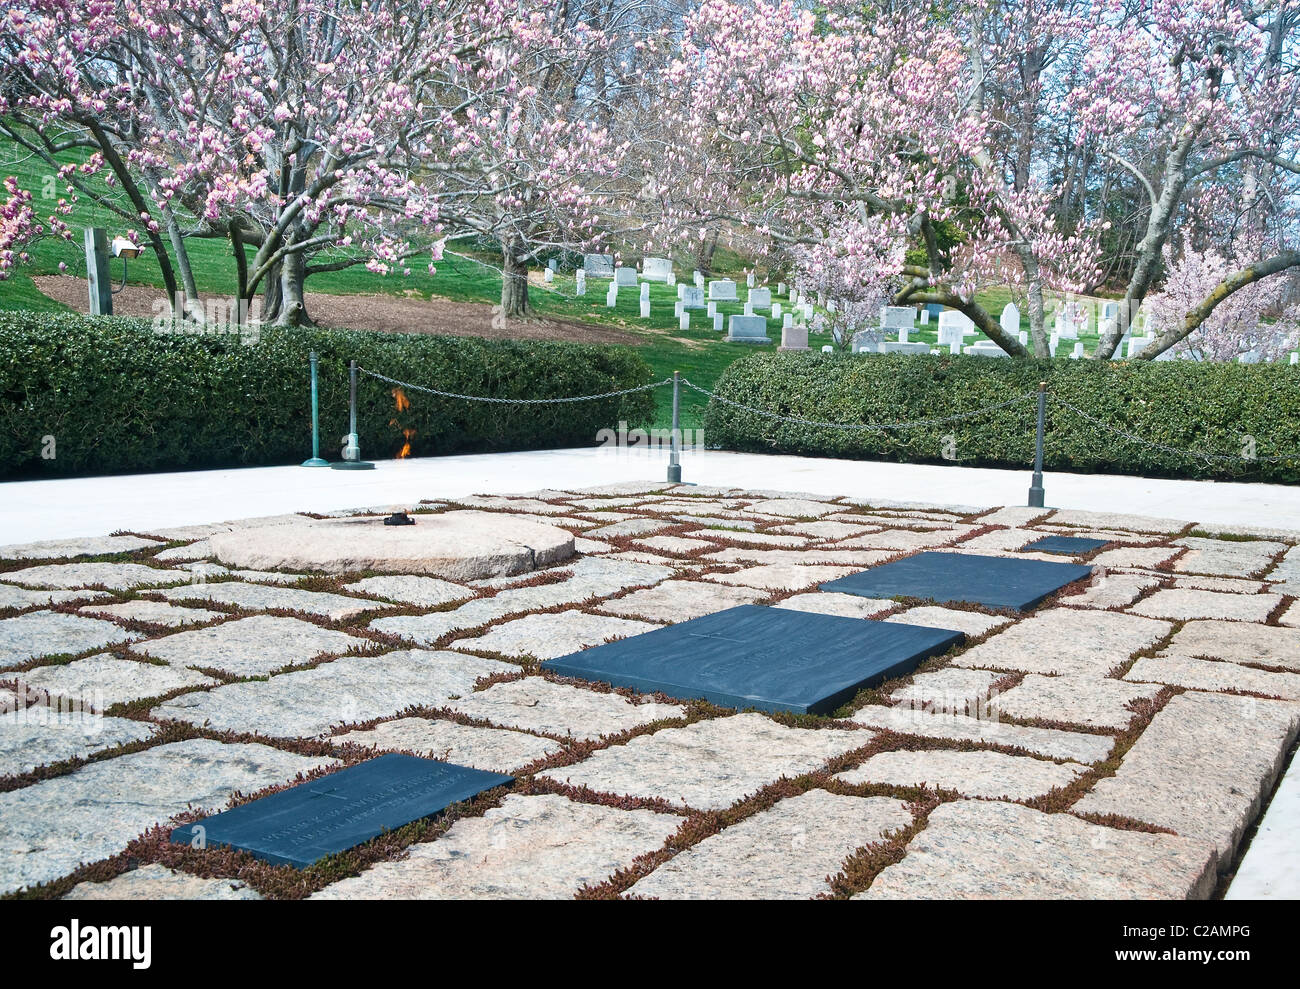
x: 127, y: 250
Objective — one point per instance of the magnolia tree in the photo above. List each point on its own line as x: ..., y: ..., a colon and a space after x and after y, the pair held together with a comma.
x: 294, y: 128
x: 20, y: 226
x: 810, y: 129
x: 536, y: 141
x: 1192, y: 98
x: 1236, y: 325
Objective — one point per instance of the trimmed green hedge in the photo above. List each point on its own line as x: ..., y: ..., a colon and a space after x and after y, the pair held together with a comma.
x: 1211, y: 408
x: 117, y: 396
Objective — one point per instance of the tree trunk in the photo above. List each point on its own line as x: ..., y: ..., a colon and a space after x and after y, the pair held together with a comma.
x: 293, y: 303
x: 193, y: 306
x: 514, y: 285
x: 704, y: 253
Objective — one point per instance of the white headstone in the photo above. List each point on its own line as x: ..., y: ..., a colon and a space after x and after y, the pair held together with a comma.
x: 717, y: 322
x: 897, y: 317
x: 749, y: 309
x: 794, y: 338
x: 1023, y: 337
x: 548, y: 275
x: 684, y: 321
x: 553, y: 264
x: 698, y: 280
x: 581, y: 287
x: 985, y: 348
x: 925, y: 317
x: 645, y: 290
x: 598, y: 265
x: 903, y: 347
x: 902, y: 334
x: 677, y: 308
x: 749, y: 279
x: 656, y: 269
x: 787, y: 321
x: 713, y: 309
x: 760, y: 298
x: 692, y: 297
x: 624, y: 277
x: 747, y: 329
x: 1052, y: 342
x: 723, y: 290
x: 827, y: 349
x: 1010, y: 319
x: 953, y: 326
x: 776, y: 310
x: 1077, y: 352
x: 780, y: 288
x: 645, y: 308
x: 1295, y: 357
x: 611, y: 296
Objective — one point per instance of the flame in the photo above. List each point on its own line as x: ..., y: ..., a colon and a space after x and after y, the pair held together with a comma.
x: 405, y: 451
x: 403, y: 403
x: 399, y: 397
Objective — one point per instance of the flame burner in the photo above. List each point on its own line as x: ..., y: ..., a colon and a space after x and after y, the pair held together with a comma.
x: 399, y: 518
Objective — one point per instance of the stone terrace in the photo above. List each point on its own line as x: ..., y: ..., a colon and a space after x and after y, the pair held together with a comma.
x: 1117, y: 741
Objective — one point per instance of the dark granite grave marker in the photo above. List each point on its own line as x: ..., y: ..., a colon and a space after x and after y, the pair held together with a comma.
x: 305, y: 823
x: 993, y: 581
x: 772, y: 659
x: 1069, y: 545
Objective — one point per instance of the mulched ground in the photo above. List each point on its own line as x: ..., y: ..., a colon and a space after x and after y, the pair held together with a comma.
x: 382, y: 313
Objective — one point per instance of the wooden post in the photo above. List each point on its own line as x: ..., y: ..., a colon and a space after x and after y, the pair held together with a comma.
x: 98, y: 279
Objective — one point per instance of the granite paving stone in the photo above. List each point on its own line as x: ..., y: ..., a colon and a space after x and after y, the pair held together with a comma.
x: 38, y: 736
x: 157, y: 882
x: 1065, y: 640
x: 679, y: 600
x: 530, y: 847
x: 1051, y: 742
x: 536, y: 704
x: 973, y: 623
x: 494, y: 750
x: 90, y: 814
x: 980, y: 850
x: 23, y: 597
x: 858, y: 559
x: 1111, y: 590
x: 1262, y: 645
x: 591, y: 578
x: 972, y: 774
x: 794, y: 508
x: 53, y: 633
x: 306, y: 703
x: 53, y: 549
x: 842, y: 605
x: 548, y: 636
x: 783, y: 853
x: 1116, y: 520
x: 1081, y: 699
x: 1226, y: 558
x: 1130, y: 556
x: 98, y: 682
x: 781, y: 576
x: 260, y: 597
x: 154, y: 612
x: 950, y: 689
x: 710, y: 764
x: 1183, y: 604
x: 426, y: 592
x: 1201, y: 767
x: 1205, y: 674
x: 114, y: 576
x: 252, y: 646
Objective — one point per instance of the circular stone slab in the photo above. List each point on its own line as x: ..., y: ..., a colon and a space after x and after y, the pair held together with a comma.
x: 453, y: 545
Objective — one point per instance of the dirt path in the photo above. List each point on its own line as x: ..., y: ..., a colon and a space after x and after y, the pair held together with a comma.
x: 382, y: 313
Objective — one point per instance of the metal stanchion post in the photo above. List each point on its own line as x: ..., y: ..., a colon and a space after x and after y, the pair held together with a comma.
x: 316, y: 459
x: 675, y: 439
x: 351, y: 443
x: 1036, y: 486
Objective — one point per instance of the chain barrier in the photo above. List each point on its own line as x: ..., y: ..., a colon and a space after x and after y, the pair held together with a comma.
x: 513, y: 401
x: 1195, y: 454
x: 879, y: 427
